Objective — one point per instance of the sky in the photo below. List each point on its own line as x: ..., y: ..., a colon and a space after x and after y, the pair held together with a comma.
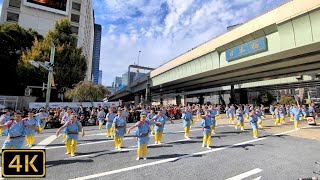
x: 163, y: 29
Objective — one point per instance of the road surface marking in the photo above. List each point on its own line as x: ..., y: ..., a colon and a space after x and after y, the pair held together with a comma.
x: 258, y: 178
x: 173, y: 159
x: 45, y: 142
x: 246, y: 174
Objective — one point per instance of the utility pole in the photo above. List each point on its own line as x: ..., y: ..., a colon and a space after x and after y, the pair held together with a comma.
x: 53, y: 48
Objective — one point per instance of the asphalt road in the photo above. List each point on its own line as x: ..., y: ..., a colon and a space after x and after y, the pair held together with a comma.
x: 234, y: 154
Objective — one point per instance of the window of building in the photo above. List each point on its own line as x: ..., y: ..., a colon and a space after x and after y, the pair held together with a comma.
x: 75, y: 18
x: 76, y: 6
x: 74, y: 29
x: 15, y: 3
x: 12, y: 17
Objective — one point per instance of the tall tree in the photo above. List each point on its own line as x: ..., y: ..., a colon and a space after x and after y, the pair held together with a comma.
x: 13, y: 41
x: 87, y: 92
x: 70, y: 64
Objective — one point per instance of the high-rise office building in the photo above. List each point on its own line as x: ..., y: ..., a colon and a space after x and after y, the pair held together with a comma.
x: 41, y: 16
x: 125, y: 77
x: 96, y: 52
x: 100, y: 77
x: 117, y: 81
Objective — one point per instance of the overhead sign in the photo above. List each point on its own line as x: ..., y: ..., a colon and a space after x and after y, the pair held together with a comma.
x: 246, y: 49
x: 56, y: 6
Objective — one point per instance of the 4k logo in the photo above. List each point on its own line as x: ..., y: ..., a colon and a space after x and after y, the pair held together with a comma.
x: 23, y: 163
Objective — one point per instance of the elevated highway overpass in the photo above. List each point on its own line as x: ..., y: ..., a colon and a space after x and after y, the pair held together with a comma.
x: 281, y: 44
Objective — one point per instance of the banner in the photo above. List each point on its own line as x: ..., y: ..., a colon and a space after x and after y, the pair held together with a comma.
x: 37, y: 105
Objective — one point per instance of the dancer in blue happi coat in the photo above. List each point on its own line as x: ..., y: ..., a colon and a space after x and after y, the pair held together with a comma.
x: 109, y: 118
x: 206, y: 124
x: 101, y: 117
x: 254, y: 122
x: 119, y: 129
x: 187, y: 117
x: 5, y: 117
x: 239, y: 115
x: 30, y: 120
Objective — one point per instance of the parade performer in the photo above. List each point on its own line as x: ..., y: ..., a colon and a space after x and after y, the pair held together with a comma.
x: 16, y: 132
x: 109, y: 118
x: 262, y: 110
x: 64, y: 120
x: 304, y: 111
x: 213, y: 113
x: 41, y: 118
x: 101, y: 117
x: 159, y: 122
x: 277, y: 113
x: 282, y: 113
x: 231, y: 112
x: 253, y: 121
x: 187, y: 117
x: 206, y: 124
x: 142, y: 133
x: 291, y: 113
x: 119, y: 129
x: 218, y: 114
x: 259, y: 116
x: 239, y: 115
x: 5, y: 117
x: 30, y: 120
x: 271, y: 109
x: 247, y: 110
x: 149, y: 117
x: 296, y: 115
x: 72, y: 129
x: 227, y: 111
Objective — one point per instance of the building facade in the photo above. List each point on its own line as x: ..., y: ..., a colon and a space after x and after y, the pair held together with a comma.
x: 117, y: 81
x: 41, y: 15
x: 96, y: 52
x: 100, y: 77
x: 125, y: 80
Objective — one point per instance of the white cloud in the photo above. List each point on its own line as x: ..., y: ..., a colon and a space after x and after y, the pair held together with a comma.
x: 187, y: 23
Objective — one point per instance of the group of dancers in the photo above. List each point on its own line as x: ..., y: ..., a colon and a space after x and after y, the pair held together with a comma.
x: 151, y: 122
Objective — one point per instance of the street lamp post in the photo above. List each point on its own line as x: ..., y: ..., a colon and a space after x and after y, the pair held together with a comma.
x: 53, y: 48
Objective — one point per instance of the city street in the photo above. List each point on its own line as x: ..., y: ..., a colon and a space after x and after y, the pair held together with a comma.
x: 277, y: 154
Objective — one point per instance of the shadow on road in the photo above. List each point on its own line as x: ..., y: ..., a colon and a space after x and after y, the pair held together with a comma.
x: 50, y: 164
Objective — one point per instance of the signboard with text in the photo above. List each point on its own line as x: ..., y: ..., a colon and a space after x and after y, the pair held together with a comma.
x: 56, y: 6
x: 246, y: 49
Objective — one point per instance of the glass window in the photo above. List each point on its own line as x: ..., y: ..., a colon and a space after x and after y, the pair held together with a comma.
x: 74, y: 29
x: 15, y: 3
x: 76, y: 6
x: 75, y: 18
x: 12, y: 17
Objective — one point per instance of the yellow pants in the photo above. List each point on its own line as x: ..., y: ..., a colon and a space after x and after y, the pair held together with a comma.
x: 64, y: 137
x: 207, y: 139
x: 193, y: 121
x: 273, y: 115
x: 198, y: 117
x: 247, y: 118
x: 110, y: 132
x: 231, y: 120
x: 1, y: 130
x: 259, y: 122
x: 118, y: 139
x: 142, y: 150
x: 158, y: 137
x: 241, y: 124
x: 263, y: 115
x: 296, y: 123
x: 213, y: 128
x: 41, y: 128
x: 255, y: 133
x: 30, y: 139
x: 100, y: 125
x: 8, y: 147
x: 291, y: 118
x: 71, y: 146
x: 152, y: 129
x: 277, y: 121
x: 186, y: 131
x: 282, y: 119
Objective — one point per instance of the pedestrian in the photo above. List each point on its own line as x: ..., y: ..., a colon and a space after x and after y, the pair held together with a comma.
x: 119, y: 129
x: 142, y: 133
x: 16, y: 132
x: 72, y: 129
x: 30, y: 120
x: 206, y: 124
x: 109, y: 118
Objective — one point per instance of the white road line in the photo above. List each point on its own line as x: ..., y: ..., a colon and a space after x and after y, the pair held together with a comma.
x: 130, y: 148
x: 172, y: 159
x: 246, y: 174
x: 45, y: 142
x: 258, y: 178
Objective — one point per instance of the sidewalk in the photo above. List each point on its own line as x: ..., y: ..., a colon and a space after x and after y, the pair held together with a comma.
x: 306, y: 131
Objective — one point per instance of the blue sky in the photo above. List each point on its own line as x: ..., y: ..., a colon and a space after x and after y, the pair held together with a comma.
x: 164, y: 29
